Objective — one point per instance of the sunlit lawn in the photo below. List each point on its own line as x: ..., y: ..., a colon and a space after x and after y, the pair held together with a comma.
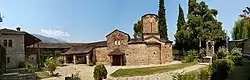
x: 149, y: 70
x: 43, y: 74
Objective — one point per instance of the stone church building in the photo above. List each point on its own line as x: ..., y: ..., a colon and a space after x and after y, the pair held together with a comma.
x: 120, y: 49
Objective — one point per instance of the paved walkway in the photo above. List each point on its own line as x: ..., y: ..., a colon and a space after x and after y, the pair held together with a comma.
x: 86, y: 72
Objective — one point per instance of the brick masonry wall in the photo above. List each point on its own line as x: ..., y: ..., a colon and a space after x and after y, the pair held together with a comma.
x: 16, y: 53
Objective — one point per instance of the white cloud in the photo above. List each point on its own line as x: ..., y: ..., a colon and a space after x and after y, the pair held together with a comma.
x: 55, y: 32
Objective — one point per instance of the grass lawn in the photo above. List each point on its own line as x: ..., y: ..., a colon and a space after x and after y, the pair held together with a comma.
x: 149, y: 70
x: 241, y: 72
x: 43, y: 74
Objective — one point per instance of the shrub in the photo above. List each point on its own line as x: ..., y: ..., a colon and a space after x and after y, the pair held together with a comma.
x: 21, y: 65
x: 205, y: 73
x: 221, y: 69
x: 60, y: 59
x: 201, y: 74
x: 29, y: 67
x: 189, y: 58
x: 193, y: 52
x: 214, y: 57
x: 51, y: 64
x: 236, y: 51
x: 91, y: 63
x: 176, y: 52
x: 236, y: 59
x: 222, y: 52
x: 100, y: 72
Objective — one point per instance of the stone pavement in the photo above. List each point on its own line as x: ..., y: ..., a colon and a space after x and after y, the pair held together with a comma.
x: 86, y: 72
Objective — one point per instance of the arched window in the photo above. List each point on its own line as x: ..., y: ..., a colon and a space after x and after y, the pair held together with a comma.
x: 5, y: 42
x: 10, y: 43
x: 119, y: 42
x: 116, y: 43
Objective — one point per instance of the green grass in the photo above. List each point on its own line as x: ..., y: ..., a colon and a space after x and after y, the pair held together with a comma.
x: 43, y: 74
x: 149, y: 70
x: 241, y: 72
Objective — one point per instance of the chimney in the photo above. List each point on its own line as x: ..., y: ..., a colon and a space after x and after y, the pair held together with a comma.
x: 18, y: 29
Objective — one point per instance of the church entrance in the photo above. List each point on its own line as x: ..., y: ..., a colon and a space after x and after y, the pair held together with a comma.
x: 117, y: 60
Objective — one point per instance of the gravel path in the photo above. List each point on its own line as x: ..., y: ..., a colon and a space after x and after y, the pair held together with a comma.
x: 86, y: 72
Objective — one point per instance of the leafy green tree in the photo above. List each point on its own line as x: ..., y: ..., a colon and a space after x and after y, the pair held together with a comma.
x: 241, y: 29
x: 138, y: 29
x: 100, y: 72
x: 200, y: 27
x: 191, y: 5
x: 162, y: 24
x: 51, y: 64
x: 180, y: 23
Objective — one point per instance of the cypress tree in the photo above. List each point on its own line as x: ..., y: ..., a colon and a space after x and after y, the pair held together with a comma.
x: 181, y: 19
x: 162, y: 25
x: 180, y: 23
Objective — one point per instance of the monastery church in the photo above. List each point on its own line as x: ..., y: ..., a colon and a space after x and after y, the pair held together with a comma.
x: 120, y: 49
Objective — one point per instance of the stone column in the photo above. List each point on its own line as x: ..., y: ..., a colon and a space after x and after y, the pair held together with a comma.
x: 74, y: 59
x: 65, y: 59
x: 87, y: 58
x: 121, y: 59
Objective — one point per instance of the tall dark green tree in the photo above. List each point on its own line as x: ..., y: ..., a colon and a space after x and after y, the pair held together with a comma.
x: 180, y: 23
x: 200, y: 27
x: 162, y: 24
x: 181, y: 18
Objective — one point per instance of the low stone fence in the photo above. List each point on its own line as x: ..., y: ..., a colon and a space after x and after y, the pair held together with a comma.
x: 17, y: 76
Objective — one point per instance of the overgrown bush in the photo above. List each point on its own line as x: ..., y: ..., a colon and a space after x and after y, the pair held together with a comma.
x: 222, y: 52
x: 176, y: 52
x: 192, y: 54
x: 202, y: 74
x: 205, y: 73
x: 221, y: 69
x: 100, y: 72
x: 91, y: 63
x: 214, y: 57
x: 29, y: 67
x: 60, y: 59
x: 237, y: 60
x: 236, y: 51
x: 236, y: 56
x: 51, y: 65
x: 189, y: 58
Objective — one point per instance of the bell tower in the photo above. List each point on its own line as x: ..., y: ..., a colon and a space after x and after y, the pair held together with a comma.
x: 150, y: 25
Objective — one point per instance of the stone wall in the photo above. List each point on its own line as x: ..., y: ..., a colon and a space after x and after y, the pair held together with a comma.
x: 16, y: 53
x: 246, y: 47
x: 136, y: 54
x: 101, y: 55
x: 150, y: 24
x: 154, y: 53
x: 117, y: 37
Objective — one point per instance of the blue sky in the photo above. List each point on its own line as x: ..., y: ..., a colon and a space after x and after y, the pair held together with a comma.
x: 92, y: 20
